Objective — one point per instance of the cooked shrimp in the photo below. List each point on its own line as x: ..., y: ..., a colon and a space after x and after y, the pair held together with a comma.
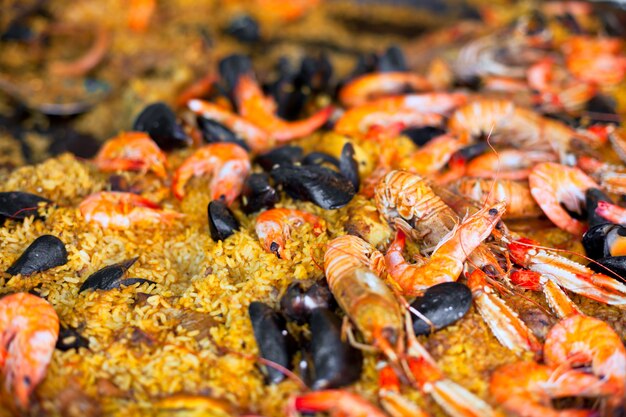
x: 228, y: 164
x: 336, y: 402
x: 139, y: 14
x: 581, y: 339
x: 391, y: 400
x: 258, y: 109
x: 612, y: 178
x: 432, y: 157
x: 369, y: 86
x: 516, y: 195
x: 554, y: 184
x: 617, y: 137
x: 611, y: 212
x: 410, y: 110
x: 527, y: 388
x: 566, y: 273
x: 257, y: 138
x: 273, y: 228
x: 511, y: 164
x: 29, y: 328
x: 405, y: 198
x: 595, y: 60
x: 117, y: 210
x: 132, y: 151
x: 447, y: 262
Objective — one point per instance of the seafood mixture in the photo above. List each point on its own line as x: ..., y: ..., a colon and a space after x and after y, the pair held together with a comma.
x: 399, y: 211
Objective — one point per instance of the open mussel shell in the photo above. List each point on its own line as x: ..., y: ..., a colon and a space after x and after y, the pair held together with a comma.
x: 604, y: 240
x: 159, y: 121
x: 215, y: 132
x: 281, y: 156
x: 257, y: 194
x: 613, y: 266
x: 222, y: 221
x: 349, y: 167
x: 18, y: 205
x: 323, y: 187
x: 44, y: 253
x: 297, y: 303
x: 442, y: 304
x: 244, y: 28
x: 110, y: 277
x: 335, y: 362
x: 274, y: 341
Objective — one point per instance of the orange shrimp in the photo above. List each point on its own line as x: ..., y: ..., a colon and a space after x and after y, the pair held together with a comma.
x: 29, y: 328
x: 611, y: 212
x: 336, y: 402
x: 369, y: 86
x: 516, y: 195
x: 391, y: 400
x: 139, y: 14
x: 431, y: 157
x: 504, y: 84
x: 595, y: 60
x: 566, y: 273
x: 552, y: 184
x: 199, y: 88
x: 259, y: 109
x: 132, y: 151
x: 273, y: 228
x: 257, y: 138
x: 612, y: 178
x: 118, y: 210
x: 410, y: 110
x: 228, y: 164
x: 447, y: 262
x: 581, y: 339
x: 509, y: 164
x: 527, y: 388
x: 408, y: 201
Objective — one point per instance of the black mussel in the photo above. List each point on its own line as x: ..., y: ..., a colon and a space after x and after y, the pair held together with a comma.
x: 297, y: 303
x: 222, y: 221
x: 244, y: 28
x: 603, y: 240
x: 214, y: 132
x: 349, y: 167
x: 324, y: 187
x: 108, y: 277
x: 601, y: 109
x: 592, y: 196
x: 65, y: 139
x: 274, y: 341
x: 159, y: 121
x: 231, y: 68
x: 17, y: 31
x: 569, y: 21
x: 257, y: 194
x: 442, y: 304
x: 315, y: 74
x: 422, y: 135
x: 284, y: 155
x: 392, y: 60
x: 335, y: 362
x: 70, y: 338
x: 613, y: 21
x: 613, y: 266
x: 320, y: 158
x: 44, y: 253
x: 18, y: 205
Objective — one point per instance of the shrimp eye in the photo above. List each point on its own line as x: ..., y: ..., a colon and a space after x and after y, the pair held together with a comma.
x: 26, y: 380
x: 274, y: 248
x: 493, y: 212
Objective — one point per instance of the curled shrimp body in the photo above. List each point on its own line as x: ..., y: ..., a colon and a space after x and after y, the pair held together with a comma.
x: 581, y: 339
x: 349, y: 265
x: 258, y: 109
x: 257, y: 138
x: 511, y: 164
x: 404, y: 197
x: 433, y: 156
x: 410, y: 110
x: 516, y: 195
x: 228, y: 164
x: 336, y: 402
x: 369, y: 86
x: 447, y: 262
x: 554, y: 184
x: 527, y: 388
x: 273, y: 228
x: 118, y: 210
x: 29, y: 328
x: 132, y: 151
x: 611, y: 212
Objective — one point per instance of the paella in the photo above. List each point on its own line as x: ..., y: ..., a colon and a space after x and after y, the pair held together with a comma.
x: 431, y: 229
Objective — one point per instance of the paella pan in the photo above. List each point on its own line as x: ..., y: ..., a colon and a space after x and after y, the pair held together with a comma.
x: 319, y: 208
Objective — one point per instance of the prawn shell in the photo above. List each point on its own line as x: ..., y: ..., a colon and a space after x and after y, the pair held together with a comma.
x: 336, y: 363
x: 274, y: 342
x: 325, y: 188
x: 159, y: 121
x: 17, y: 205
x: 222, y: 221
x: 443, y: 304
x: 44, y: 253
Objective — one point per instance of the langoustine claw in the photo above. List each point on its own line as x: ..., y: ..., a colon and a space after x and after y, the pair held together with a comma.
x: 29, y: 328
